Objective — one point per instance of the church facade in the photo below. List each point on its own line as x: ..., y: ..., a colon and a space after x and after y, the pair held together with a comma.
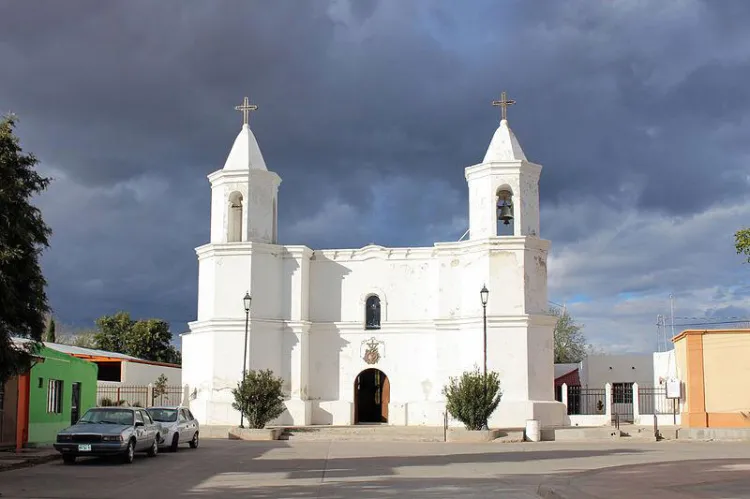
x: 373, y: 334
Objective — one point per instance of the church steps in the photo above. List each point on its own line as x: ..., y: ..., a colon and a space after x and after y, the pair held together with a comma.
x: 364, y: 433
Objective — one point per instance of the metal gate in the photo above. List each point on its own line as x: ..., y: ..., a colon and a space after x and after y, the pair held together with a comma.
x: 622, y: 403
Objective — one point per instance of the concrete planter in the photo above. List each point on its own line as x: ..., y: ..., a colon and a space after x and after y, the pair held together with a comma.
x: 237, y: 433
x: 464, y: 435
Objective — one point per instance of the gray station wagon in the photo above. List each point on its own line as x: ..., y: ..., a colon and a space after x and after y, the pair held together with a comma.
x: 110, y: 431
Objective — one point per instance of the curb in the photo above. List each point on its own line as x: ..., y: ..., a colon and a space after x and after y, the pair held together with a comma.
x: 30, y: 462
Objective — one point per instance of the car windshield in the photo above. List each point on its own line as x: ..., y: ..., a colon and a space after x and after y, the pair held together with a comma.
x: 163, y: 415
x: 108, y: 416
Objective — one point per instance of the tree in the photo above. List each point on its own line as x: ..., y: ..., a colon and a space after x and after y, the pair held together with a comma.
x: 49, y: 335
x: 23, y: 236
x: 150, y: 339
x: 742, y: 243
x: 113, y: 332
x: 570, y: 342
x: 146, y: 339
x: 160, y: 387
x: 259, y: 396
x: 473, y: 397
x: 84, y: 339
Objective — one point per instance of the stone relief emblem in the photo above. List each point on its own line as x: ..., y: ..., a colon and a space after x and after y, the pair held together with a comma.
x: 372, y: 355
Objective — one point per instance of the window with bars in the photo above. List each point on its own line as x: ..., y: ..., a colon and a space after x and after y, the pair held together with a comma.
x: 622, y: 393
x: 54, y: 396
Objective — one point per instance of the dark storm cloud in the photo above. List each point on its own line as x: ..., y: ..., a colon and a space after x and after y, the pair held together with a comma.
x: 369, y: 111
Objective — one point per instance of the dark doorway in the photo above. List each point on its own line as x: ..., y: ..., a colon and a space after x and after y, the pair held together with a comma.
x: 372, y: 393
x: 8, y: 412
x: 75, y: 403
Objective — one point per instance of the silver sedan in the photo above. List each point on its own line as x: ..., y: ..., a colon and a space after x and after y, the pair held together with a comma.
x: 178, y: 424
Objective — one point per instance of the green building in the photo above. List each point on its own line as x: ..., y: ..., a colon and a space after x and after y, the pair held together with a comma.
x: 57, y: 390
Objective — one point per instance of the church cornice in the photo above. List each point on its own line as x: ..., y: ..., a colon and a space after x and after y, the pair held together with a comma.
x: 247, y: 248
x: 496, y: 243
x: 389, y: 328
x: 373, y: 252
x: 515, y: 167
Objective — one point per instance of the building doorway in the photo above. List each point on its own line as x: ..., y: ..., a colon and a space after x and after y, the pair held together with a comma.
x: 75, y: 403
x: 372, y: 393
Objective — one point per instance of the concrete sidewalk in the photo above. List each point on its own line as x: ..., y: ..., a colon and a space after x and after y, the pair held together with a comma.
x: 699, y: 478
x: 11, y: 460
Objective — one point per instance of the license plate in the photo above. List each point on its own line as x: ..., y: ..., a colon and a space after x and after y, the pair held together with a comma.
x: 84, y: 447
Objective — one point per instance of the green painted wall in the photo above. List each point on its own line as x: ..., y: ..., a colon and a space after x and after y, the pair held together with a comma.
x: 43, y: 425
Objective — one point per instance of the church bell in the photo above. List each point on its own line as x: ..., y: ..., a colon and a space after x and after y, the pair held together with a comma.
x: 506, y: 215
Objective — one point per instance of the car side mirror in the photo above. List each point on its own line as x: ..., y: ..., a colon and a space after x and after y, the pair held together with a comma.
x: 139, y: 423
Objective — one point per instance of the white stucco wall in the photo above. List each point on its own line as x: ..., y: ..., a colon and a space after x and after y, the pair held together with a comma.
x: 597, y: 370
x: 665, y: 366
x: 136, y: 373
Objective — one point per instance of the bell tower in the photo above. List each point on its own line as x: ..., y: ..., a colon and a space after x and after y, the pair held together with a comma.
x: 504, y: 187
x: 244, y: 194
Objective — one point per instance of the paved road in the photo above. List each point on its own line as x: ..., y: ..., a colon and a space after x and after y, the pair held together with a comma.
x: 226, y: 469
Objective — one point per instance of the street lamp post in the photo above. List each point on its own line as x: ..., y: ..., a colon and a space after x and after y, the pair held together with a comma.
x: 246, y: 301
x: 484, y: 294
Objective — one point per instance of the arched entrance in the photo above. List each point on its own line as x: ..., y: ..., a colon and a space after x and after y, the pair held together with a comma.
x: 372, y: 392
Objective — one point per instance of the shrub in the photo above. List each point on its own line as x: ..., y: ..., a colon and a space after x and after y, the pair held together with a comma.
x: 469, y: 401
x: 259, y: 397
x: 105, y: 402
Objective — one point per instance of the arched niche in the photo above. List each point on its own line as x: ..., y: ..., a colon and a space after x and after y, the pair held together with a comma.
x: 234, y: 218
x: 375, y: 298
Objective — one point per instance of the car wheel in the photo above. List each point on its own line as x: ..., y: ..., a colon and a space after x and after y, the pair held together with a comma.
x: 129, y: 453
x: 68, y: 459
x: 175, y: 443
x: 154, y: 450
x: 194, y: 441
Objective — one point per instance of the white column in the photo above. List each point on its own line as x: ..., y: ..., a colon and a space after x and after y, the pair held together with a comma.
x: 636, y: 405
x: 608, y: 401
x: 565, y: 395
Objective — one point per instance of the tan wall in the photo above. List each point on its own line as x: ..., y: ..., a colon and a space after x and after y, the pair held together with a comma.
x: 726, y: 370
x: 681, y: 359
x: 716, y: 370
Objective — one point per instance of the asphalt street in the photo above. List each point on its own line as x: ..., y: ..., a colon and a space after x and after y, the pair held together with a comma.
x: 285, y: 469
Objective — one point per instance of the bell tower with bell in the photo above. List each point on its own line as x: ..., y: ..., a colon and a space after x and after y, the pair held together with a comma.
x: 504, y: 187
x: 508, y: 269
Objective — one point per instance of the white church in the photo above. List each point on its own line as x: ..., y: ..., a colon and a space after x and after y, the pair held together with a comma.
x: 373, y: 334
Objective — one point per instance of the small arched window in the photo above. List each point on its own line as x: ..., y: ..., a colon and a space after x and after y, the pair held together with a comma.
x: 372, y: 312
x: 234, y: 222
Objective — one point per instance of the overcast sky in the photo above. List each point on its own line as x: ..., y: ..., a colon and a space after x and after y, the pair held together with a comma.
x: 369, y: 112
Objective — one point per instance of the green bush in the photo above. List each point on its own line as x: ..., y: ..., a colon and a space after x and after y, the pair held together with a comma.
x: 472, y: 398
x: 259, y: 397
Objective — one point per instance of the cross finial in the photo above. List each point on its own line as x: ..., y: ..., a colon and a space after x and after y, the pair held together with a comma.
x: 504, y: 102
x: 246, y: 107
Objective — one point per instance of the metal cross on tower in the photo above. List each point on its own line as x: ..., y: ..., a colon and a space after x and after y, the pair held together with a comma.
x: 504, y: 102
x: 246, y: 107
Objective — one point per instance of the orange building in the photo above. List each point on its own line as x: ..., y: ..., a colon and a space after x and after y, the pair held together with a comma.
x: 714, y: 366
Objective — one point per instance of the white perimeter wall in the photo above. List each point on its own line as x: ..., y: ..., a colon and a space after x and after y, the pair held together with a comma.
x: 637, y: 368
x: 135, y: 373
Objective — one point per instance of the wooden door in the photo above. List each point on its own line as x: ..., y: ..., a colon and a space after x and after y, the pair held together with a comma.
x: 385, y: 398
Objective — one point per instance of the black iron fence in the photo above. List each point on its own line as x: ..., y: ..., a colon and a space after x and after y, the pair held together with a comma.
x: 137, y: 395
x: 134, y: 395
x: 586, y: 401
x: 171, y: 396
x: 653, y: 400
